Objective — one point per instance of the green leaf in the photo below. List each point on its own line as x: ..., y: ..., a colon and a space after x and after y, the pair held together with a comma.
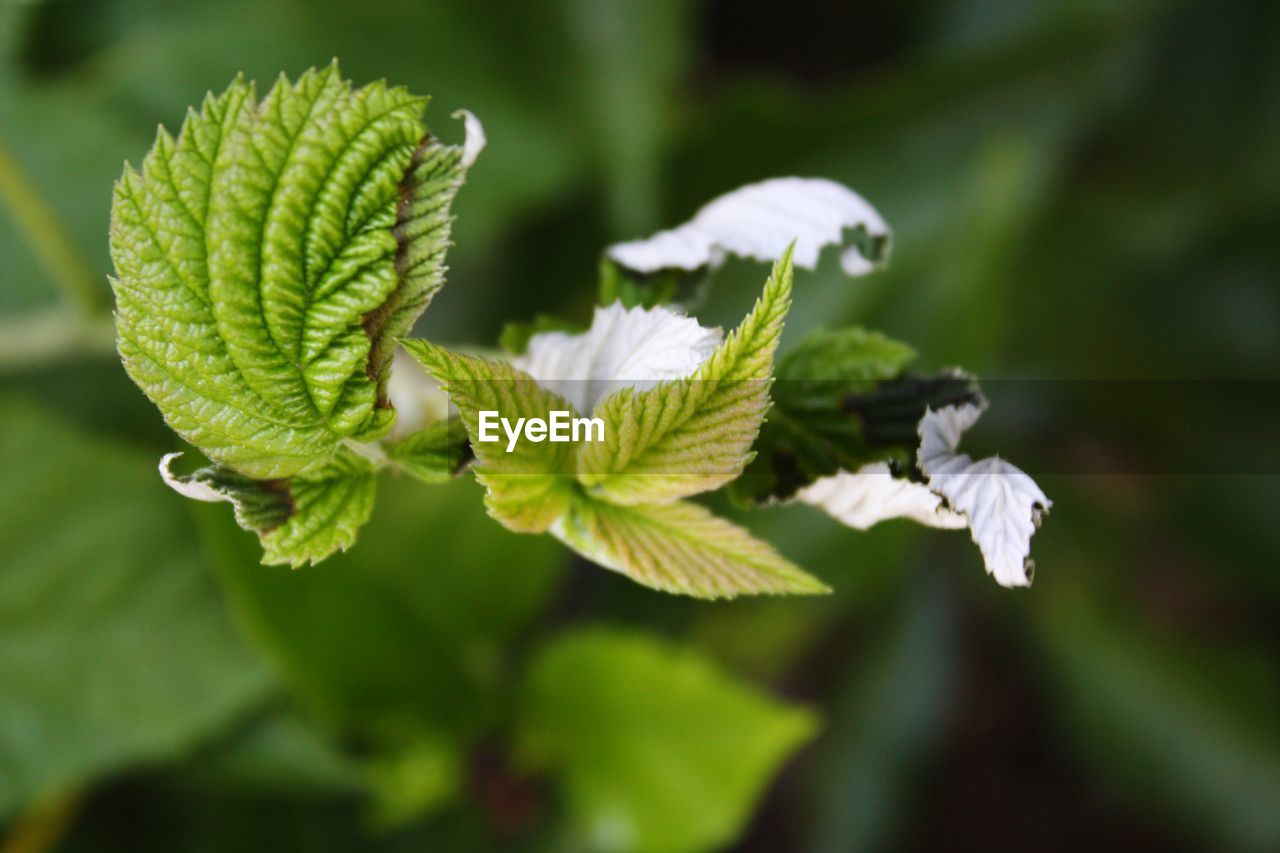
x: 656, y: 747
x: 514, y: 337
x: 435, y: 454
x: 301, y: 520
x: 114, y: 645
x: 405, y: 635
x: 842, y: 399
x: 691, y: 435
x: 686, y: 288
x: 530, y: 487
x: 267, y: 258
x: 853, y: 355
x: 680, y: 547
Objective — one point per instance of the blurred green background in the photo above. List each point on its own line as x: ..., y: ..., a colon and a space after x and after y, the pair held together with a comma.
x: 1080, y: 190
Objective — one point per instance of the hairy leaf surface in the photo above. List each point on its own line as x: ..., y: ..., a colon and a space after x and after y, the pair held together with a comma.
x: 681, y: 547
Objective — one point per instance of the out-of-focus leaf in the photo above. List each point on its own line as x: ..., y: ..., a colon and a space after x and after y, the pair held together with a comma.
x: 405, y: 633
x: 1188, y: 730
x: 515, y: 336
x: 891, y: 711
x: 631, y: 56
x: 657, y: 748
x: 114, y: 648
x: 278, y: 753
x: 420, y: 776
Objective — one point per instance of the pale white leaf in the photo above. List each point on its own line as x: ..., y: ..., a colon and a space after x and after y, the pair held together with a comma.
x: 415, y: 395
x: 1002, y: 504
x: 189, y: 488
x: 872, y: 494
x: 474, y: 141
x: 624, y: 348
x: 760, y: 221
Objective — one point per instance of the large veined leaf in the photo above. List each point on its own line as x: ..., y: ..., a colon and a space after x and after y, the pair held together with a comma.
x: 693, y: 434
x: 529, y: 487
x: 657, y: 747
x: 681, y: 547
x: 114, y: 645
x: 267, y: 258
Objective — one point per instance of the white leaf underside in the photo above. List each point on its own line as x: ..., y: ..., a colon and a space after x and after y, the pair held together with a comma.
x: 872, y: 494
x: 415, y: 395
x: 1000, y: 504
x: 1003, y: 505
x: 192, y: 489
x: 475, y: 139
x: 760, y: 221
x: 624, y: 348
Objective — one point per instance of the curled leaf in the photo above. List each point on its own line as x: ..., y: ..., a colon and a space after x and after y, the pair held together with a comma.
x: 1002, y: 504
x: 624, y: 348
x: 299, y: 520
x: 760, y: 221
x: 873, y: 494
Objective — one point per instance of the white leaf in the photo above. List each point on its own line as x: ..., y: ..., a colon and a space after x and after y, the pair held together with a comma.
x: 1002, y: 504
x: 415, y: 395
x: 872, y: 494
x: 760, y: 221
x: 635, y: 348
x: 474, y: 141
x: 193, y: 489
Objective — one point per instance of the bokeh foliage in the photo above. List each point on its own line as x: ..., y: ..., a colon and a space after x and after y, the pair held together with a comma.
x: 1079, y: 190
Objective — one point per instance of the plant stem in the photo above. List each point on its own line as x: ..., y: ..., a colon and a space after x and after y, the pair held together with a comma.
x: 53, y: 335
x: 43, y: 828
x: 49, y: 241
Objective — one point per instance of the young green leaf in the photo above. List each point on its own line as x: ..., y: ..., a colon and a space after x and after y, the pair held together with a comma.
x: 693, y: 434
x: 680, y: 547
x: 267, y: 258
x: 529, y: 484
x: 842, y: 401
x: 612, y: 712
x: 300, y: 520
x: 434, y: 454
